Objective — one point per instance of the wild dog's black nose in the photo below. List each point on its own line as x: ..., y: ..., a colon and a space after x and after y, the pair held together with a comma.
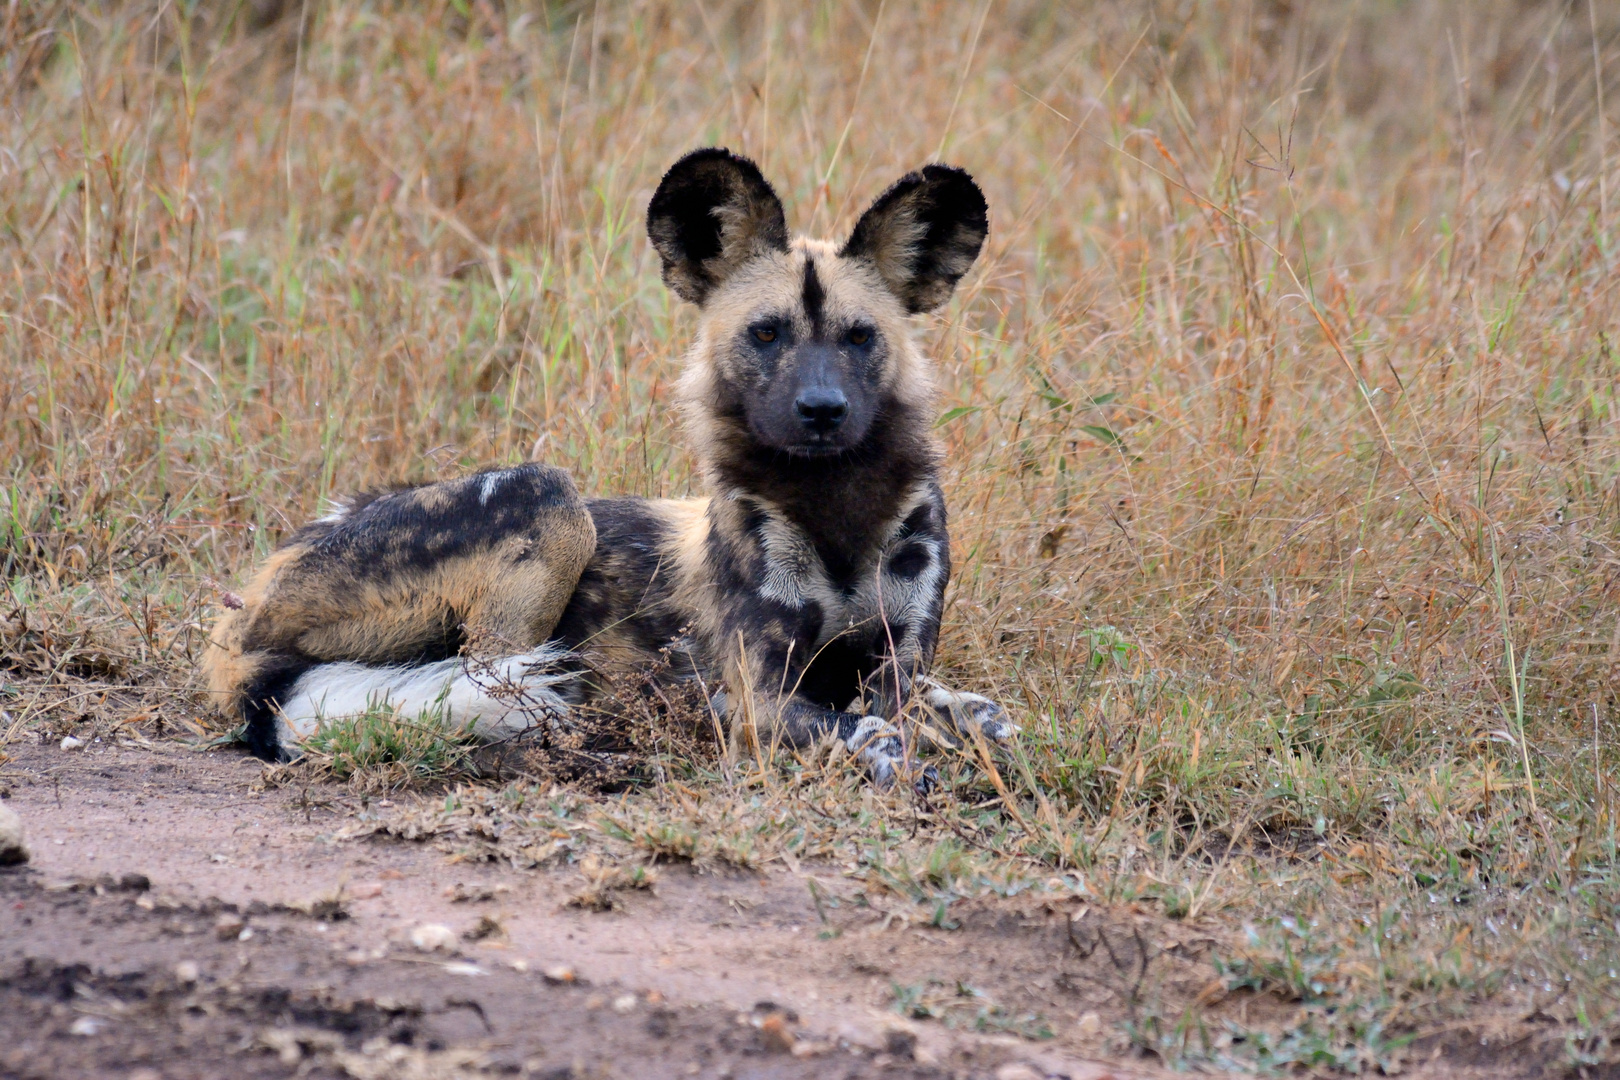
x: 821, y: 408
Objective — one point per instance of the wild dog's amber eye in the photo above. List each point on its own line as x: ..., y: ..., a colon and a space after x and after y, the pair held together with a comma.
x: 860, y: 336
x: 765, y: 334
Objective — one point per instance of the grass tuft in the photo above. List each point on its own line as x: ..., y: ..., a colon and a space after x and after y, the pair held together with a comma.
x: 382, y: 750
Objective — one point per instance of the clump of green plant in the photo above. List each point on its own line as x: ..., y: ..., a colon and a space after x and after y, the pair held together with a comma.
x: 1347, y: 1040
x: 382, y: 749
x: 1342, y: 1018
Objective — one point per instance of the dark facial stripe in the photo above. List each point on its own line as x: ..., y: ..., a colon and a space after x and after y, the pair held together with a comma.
x: 814, y: 297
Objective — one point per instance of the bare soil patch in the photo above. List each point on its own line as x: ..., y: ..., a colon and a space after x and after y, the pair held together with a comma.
x: 124, y: 949
x: 181, y: 917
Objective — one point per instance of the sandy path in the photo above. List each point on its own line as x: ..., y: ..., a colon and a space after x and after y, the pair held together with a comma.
x: 711, y: 948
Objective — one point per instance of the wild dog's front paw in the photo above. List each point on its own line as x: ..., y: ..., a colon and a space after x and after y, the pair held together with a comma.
x: 877, y: 744
x: 966, y: 713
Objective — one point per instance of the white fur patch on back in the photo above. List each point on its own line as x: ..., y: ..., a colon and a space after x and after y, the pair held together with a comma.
x: 336, y: 511
x: 497, y: 698
x: 489, y: 485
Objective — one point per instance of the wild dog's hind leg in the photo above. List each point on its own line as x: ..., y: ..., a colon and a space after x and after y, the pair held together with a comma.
x: 376, y: 599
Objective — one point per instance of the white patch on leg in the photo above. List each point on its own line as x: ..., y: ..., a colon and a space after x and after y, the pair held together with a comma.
x: 496, y: 698
x: 908, y: 601
x: 793, y: 572
x: 966, y: 713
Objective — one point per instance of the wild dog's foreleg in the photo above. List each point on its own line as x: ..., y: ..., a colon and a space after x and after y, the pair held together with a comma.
x: 872, y: 740
x: 907, y: 594
x: 771, y: 703
x: 792, y: 676
x: 910, y: 597
x: 386, y: 586
x: 769, y: 637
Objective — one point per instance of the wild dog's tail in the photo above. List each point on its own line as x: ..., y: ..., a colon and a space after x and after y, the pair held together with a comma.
x: 495, y: 698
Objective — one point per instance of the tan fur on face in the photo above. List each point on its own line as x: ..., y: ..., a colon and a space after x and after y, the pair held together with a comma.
x: 774, y: 282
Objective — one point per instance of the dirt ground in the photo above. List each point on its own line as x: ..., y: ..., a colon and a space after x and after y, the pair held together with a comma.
x: 176, y: 920
x: 181, y: 919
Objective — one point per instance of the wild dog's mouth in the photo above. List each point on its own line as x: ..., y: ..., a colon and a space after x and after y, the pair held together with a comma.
x: 830, y: 445
x: 816, y: 450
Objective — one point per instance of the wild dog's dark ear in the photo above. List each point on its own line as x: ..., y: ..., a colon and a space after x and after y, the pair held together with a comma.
x: 923, y: 234
x: 712, y: 212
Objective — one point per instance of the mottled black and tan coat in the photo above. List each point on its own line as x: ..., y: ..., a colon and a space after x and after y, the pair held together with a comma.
x: 805, y: 590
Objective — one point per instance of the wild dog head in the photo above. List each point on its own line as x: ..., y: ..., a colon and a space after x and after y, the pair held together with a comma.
x: 804, y: 348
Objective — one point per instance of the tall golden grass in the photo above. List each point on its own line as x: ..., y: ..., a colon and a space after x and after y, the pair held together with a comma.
x: 1281, y: 412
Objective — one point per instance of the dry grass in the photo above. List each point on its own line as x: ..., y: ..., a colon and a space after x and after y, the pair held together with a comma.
x: 1282, y: 416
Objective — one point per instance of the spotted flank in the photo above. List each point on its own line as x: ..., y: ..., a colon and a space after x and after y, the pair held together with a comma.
x: 806, y: 582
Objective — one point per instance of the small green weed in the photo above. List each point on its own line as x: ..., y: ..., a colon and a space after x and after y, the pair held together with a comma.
x: 1316, y: 1040
x: 959, y: 1005
x: 380, y: 749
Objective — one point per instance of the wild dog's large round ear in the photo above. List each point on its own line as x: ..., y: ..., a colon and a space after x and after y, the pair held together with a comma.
x: 712, y: 212
x: 923, y: 234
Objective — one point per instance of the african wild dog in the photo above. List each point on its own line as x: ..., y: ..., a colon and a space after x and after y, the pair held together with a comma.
x: 805, y: 590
